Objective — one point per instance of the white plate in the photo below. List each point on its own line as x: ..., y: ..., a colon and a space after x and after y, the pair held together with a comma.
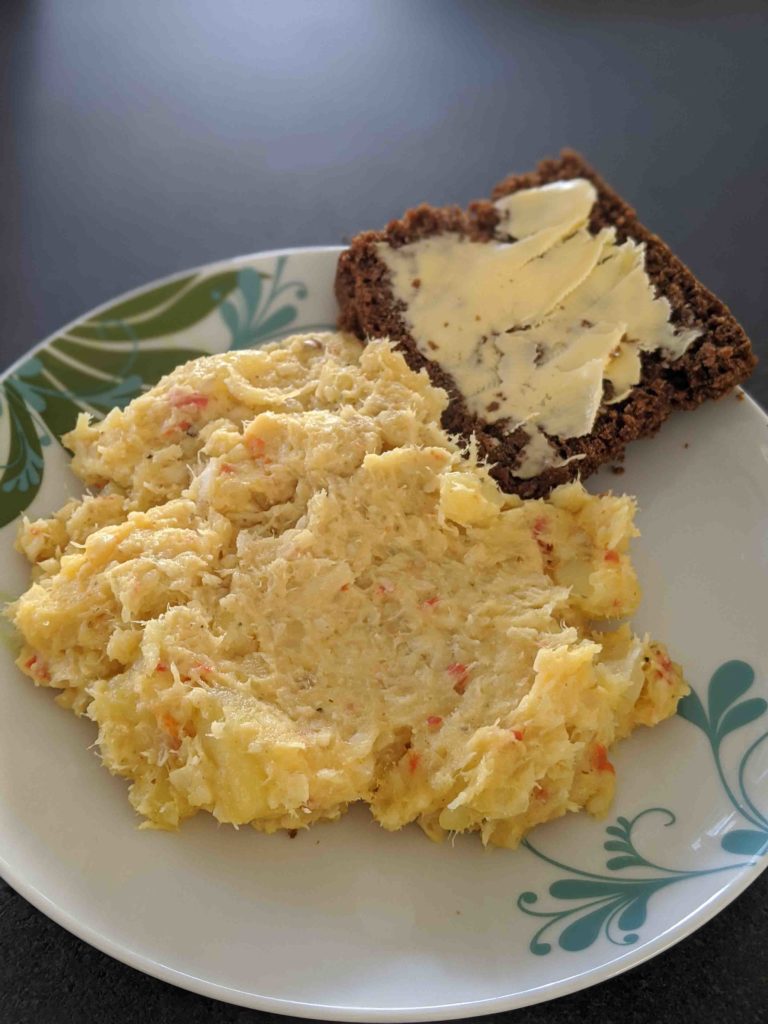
x: 348, y: 922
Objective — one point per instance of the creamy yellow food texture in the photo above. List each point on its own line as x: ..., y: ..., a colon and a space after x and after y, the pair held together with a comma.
x: 290, y: 592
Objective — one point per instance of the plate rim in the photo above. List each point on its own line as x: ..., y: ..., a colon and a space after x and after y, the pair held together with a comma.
x: 295, y: 250
x: 695, y: 919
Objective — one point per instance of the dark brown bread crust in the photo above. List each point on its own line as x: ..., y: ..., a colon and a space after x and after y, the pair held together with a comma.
x: 721, y: 358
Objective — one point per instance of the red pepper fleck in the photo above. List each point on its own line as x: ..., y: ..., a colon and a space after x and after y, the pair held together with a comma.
x: 256, y: 445
x: 37, y: 668
x: 227, y: 467
x: 161, y: 667
x: 611, y: 555
x: 600, y: 760
x: 344, y: 586
x: 434, y: 721
x: 171, y: 727
x: 430, y: 602
x: 541, y: 525
x: 413, y: 762
x: 194, y: 398
x: 518, y: 733
x: 385, y: 588
x: 183, y: 425
x: 460, y: 673
x: 666, y: 662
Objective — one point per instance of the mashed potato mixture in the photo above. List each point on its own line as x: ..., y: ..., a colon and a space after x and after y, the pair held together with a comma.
x: 289, y: 591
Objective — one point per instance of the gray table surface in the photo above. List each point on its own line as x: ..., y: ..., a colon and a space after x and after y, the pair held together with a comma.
x: 141, y: 138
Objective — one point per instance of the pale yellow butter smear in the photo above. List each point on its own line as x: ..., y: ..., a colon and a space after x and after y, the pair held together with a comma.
x: 531, y: 329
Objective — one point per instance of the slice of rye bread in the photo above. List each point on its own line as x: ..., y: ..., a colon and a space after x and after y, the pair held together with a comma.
x: 711, y: 366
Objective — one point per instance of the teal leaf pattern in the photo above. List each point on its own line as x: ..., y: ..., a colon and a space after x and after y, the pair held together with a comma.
x: 741, y: 715
x: 730, y: 682
x: 746, y: 842
x: 111, y: 357
x: 253, y: 315
x: 691, y: 708
x: 584, y: 930
x: 725, y: 714
x: 588, y: 905
x: 612, y: 905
